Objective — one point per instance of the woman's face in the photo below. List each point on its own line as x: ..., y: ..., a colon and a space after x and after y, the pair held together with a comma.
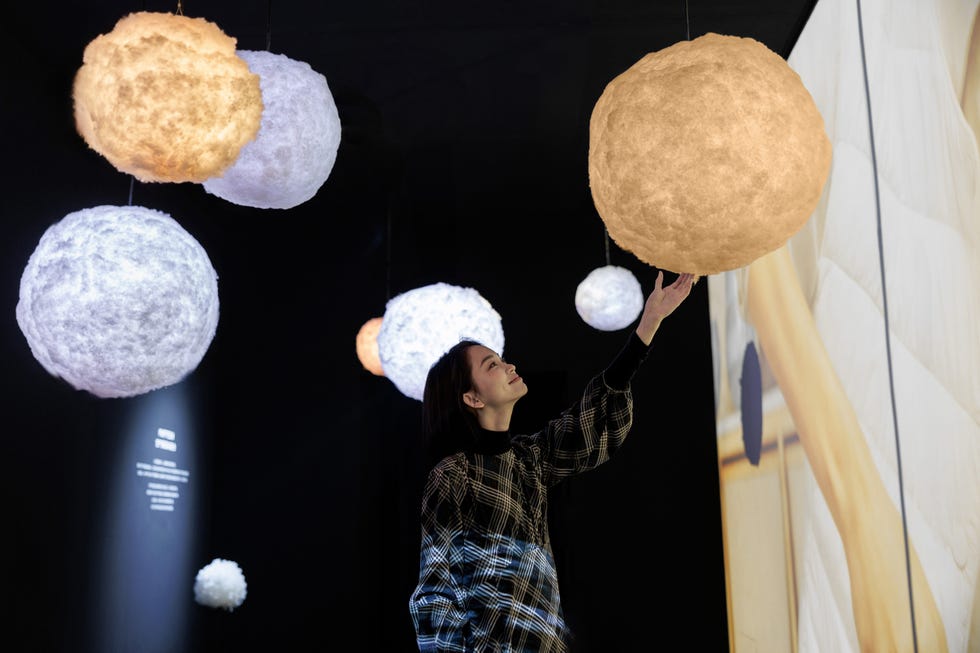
x: 495, y: 382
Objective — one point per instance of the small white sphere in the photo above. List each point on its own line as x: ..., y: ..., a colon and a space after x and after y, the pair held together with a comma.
x: 220, y: 584
x: 420, y: 325
x: 118, y: 301
x: 609, y: 298
x: 296, y: 147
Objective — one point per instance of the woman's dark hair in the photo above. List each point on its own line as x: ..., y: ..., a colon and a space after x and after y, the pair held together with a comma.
x: 448, y: 426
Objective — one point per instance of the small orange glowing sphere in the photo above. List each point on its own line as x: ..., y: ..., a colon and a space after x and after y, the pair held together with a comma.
x: 367, y: 346
x: 706, y: 155
x: 166, y: 98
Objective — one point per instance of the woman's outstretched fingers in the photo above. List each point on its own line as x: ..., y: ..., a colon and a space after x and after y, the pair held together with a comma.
x: 661, y: 302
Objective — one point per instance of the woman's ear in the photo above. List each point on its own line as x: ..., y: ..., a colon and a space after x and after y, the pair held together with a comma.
x: 471, y: 400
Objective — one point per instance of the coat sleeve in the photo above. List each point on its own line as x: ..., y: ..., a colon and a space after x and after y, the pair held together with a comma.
x: 591, y: 430
x: 437, y: 604
x: 585, y: 435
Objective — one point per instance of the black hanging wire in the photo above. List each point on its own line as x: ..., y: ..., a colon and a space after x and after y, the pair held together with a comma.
x: 884, y: 311
x: 687, y: 20
x: 268, y: 28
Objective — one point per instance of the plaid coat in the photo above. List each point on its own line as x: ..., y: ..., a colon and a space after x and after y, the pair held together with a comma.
x: 487, y: 575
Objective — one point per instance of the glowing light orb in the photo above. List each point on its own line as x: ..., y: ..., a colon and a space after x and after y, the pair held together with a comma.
x: 609, y: 298
x: 220, y: 584
x: 367, y: 346
x: 118, y: 301
x: 422, y: 324
x: 166, y: 98
x: 296, y: 147
x: 706, y: 155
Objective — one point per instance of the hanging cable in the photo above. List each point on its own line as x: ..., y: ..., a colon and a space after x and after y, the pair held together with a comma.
x: 687, y: 20
x: 268, y: 28
x: 884, y: 311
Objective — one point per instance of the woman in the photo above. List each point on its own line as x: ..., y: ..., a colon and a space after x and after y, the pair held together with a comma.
x: 487, y: 576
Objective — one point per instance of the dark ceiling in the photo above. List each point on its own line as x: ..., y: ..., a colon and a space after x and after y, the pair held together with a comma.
x: 463, y: 159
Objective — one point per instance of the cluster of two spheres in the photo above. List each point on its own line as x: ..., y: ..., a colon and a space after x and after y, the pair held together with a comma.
x: 420, y: 325
x: 168, y: 98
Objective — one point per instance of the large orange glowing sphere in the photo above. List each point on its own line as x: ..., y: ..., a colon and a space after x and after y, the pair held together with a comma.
x: 166, y: 98
x: 366, y: 343
x: 706, y: 155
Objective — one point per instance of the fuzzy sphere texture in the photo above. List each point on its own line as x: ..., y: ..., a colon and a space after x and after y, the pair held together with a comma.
x: 420, y: 325
x: 706, y: 155
x: 166, y: 98
x: 366, y: 344
x: 220, y: 584
x: 118, y: 301
x: 297, y: 144
x: 609, y: 298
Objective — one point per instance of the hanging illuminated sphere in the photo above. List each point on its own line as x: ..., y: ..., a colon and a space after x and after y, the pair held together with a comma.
x: 706, y: 155
x: 220, y: 584
x: 118, y: 301
x: 366, y: 343
x: 166, y: 98
x: 422, y: 324
x: 296, y: 146
x: 609, y: 298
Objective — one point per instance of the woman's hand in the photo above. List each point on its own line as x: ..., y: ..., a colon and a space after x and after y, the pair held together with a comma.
x: 661, y: 302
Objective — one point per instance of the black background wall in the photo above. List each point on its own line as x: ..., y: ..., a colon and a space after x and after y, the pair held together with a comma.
x: 463, y: 159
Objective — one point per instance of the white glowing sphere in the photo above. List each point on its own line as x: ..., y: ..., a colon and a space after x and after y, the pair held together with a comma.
x: 609, y: 298
x: 118, y: 301
x: 296, y: 147
x: 420, y: 325
x: 220, y: 584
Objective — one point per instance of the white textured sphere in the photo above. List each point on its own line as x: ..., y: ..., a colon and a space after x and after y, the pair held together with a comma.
x: 220, y: 584
x: 296, y: 147
x: 609, y: 298
x: 420, y: 325
x: 118, y: 301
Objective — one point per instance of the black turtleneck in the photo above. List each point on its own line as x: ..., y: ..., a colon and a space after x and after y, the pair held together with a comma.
x: 491, y: 442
